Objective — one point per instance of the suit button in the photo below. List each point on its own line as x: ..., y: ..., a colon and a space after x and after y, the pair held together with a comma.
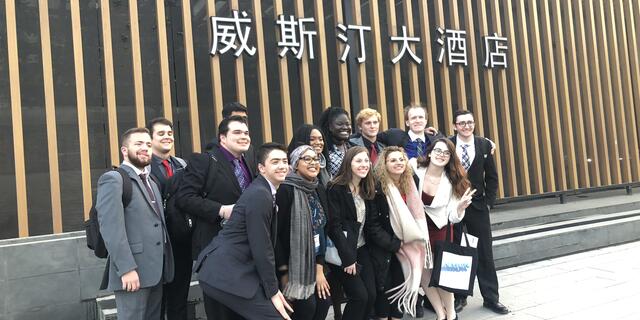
x: 158, y: 243
x: 155, y: 225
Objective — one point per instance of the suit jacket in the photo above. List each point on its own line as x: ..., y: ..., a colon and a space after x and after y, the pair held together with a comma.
x: 357, y: 140
x: 343, y: 218
x: 136, y: 236
x: 241, y: 258
x: 208, y: 184
x: 482, y: 174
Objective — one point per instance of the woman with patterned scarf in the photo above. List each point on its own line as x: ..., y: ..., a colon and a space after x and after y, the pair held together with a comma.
x: 301, y: 238
x: 397, y: 235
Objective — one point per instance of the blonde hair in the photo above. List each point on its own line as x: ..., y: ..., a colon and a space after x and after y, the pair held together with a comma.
x: 367, y: 113
x: 382, y: 175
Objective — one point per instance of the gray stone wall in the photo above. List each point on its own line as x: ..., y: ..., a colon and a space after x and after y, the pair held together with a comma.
x: 48, y: 277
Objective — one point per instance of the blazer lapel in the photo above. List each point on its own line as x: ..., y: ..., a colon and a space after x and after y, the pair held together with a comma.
x: 476, y: 141
x: 142, y: 188
x: 228, y: 170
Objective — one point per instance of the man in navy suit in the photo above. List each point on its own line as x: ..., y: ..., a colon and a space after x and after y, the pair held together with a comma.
x: 238, y: 267
x: 475, y: 154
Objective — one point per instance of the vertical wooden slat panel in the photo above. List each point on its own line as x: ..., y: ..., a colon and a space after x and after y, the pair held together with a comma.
x: 444, y: 74
x: 521, y: 138
x: 616, y: 90
x: 601, y: 126
x: 626, y: 108
x: 343, y: 74
x: 541, y: 95
x: 396, y: 80
x: 505, y: 118
x: 363, y: 88
x: 283, y: 69
x: 83, y: 131
x: 325, y: 88
x: 190, y: 67
x: 585, y: 90
x: 263, y: 85
x: 378, y: 66
x: 16, y: 120
x: 461, y: 92
x: 575, y: 94
x: 487, y: 76
x: 214, y: 65
x: 607, y: 94
x: 563, y: 95
x: 550, y: 77
x: 50, y: 110
x: 305, y: 83
x: 109, y: 82
x: 425, y: 30
x: 414, y: 91
x: 476, y: 97
x: 137, y: 63
x: 529, y: 104
x: 163, y: 54
x: 241, y: 92
x: 631, y: 15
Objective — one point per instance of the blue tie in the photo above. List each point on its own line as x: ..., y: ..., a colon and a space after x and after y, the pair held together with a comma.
x: 239, y: 173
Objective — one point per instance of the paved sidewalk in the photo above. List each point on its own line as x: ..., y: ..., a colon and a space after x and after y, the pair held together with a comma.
x: 598, y: 284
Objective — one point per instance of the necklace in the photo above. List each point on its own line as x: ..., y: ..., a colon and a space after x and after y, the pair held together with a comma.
x: 433, y: 180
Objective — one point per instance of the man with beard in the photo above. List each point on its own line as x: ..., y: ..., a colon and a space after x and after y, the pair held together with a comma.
x: 210, y: 188
x: 238, y: 267
x: 368, y: 123
x: 140, y: 255
x: 168, y: 171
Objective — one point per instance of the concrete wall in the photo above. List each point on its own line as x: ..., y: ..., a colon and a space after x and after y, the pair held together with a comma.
x: 48, y: 277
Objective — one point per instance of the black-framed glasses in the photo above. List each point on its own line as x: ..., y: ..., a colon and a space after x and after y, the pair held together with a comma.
x: 466, y: 123
x: 310, y: 160
x: 440, y: 152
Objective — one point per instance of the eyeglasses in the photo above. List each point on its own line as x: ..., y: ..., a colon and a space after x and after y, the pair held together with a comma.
x: 440, y: 152
x: 465, y: 123
x: 309, y: 159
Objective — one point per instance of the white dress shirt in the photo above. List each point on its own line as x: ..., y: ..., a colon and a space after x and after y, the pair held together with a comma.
x: 471, y: 149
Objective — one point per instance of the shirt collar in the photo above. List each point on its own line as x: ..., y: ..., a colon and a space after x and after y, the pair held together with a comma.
x: 228, y: 155
x: 146, y: 169
x: 414, y: 136
x: 460, y: 142
x: 273, y: 188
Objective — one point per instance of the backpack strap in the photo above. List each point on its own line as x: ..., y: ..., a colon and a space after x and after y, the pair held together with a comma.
x: 126, y: 187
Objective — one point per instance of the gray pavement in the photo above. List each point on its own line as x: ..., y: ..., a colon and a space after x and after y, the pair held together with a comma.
x: 598, y: 284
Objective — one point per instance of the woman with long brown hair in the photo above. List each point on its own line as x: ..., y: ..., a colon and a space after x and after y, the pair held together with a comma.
x: 445, y: 193
x: 350, y: 195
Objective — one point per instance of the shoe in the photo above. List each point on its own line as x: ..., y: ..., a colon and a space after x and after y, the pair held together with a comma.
x: 427, y: 304
x: 419, y: 310
x: 496, y: 307
x: 459, y: 304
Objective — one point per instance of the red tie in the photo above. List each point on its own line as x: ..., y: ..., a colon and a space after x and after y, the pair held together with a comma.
x: 167, y: 167
x: 374, y: 154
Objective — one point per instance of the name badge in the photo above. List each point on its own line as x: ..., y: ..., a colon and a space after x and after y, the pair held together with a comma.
x: 316, y: 242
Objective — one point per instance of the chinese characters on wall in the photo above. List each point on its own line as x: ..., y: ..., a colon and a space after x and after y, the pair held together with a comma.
x: 296, y: 37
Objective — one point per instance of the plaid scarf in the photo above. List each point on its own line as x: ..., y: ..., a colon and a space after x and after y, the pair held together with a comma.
x: 335, y: 160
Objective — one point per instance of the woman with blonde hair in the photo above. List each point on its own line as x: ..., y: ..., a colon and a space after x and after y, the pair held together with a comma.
x: 397, y: 235
x: 445, y: 193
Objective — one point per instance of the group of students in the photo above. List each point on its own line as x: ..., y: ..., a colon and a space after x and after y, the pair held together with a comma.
x: 263, y: 223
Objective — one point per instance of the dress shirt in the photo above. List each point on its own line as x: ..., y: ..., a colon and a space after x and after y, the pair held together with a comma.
x: 243, y: 164
x: 471, y: 149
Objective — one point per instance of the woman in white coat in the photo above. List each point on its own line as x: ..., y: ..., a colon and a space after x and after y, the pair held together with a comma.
x: 445, y: 193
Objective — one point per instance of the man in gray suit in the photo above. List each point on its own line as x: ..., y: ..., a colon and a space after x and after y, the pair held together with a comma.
x: 140, y: 256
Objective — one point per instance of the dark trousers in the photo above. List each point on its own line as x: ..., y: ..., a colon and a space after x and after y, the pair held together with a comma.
x: 360, y: 289
x: 176, y: 293
x: 257, y: 307
x: 215, y: 310
x: 383, y: 306
x: 478, y: 224
x: 312, y: 308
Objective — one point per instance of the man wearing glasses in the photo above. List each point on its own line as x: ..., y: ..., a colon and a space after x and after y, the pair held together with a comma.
x: 475, y: 154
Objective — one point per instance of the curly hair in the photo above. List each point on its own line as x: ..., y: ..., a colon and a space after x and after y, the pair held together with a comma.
x: 328, y: 116
x: 453, y: 169
x: 382, y: 175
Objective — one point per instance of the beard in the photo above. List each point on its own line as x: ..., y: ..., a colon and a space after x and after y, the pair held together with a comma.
x: 133, y: 158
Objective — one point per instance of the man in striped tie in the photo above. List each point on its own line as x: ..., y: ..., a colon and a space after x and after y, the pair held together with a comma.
x: 475, y: 154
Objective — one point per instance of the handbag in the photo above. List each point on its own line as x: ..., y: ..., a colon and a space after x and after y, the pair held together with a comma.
x: 454, y: 266
x: 331, y: 254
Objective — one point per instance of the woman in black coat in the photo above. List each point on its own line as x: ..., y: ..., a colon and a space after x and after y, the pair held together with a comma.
x: 301, y: 239
x: 350, y: 196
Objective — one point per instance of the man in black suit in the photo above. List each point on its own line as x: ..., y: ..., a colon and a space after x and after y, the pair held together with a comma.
x: 211, y: 186
x: 168, y: 171
x: 238, y: 267
x: 475, y: 155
